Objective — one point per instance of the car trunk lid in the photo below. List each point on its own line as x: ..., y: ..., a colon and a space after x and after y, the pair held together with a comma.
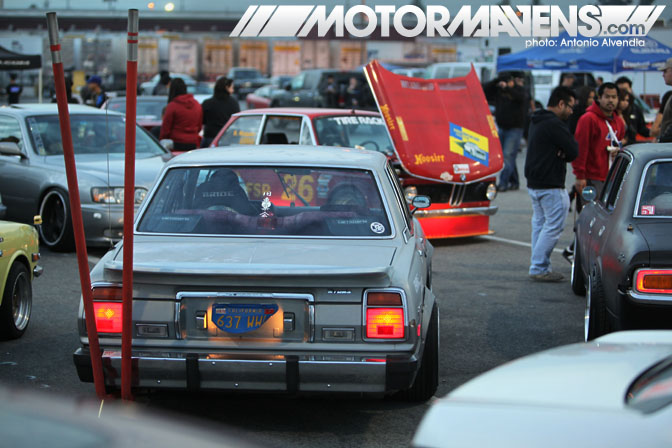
x: 657, y: 237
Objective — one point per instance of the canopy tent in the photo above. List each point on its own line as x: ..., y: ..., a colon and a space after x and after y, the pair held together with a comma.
x: 10, y: 60
x: 600, y: 53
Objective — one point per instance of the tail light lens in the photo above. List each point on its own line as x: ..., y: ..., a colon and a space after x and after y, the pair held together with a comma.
x: 385, y: 317
x: 654, y: 281
x: 107, y: 308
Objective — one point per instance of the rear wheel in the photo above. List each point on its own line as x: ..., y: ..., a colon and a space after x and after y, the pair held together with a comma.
x: 56, y: 229
x: 427, y: 379
x: 17, y: 302
x: 577, y: 280
x: 596, y: 323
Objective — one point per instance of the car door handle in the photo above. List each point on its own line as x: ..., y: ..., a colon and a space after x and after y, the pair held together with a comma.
x: 601, y: 231
x: 592, y: 222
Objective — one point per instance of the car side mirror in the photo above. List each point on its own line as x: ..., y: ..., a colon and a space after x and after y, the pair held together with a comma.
x: 419, y: 202
x: 11, y: 149
x: 589, y: 194
x: 167, y: 143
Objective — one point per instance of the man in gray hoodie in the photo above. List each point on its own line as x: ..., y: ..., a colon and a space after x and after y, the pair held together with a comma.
x: 550, y: 147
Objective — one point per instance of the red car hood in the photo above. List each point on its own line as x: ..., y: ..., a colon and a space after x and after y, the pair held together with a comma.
x: 442, y: 129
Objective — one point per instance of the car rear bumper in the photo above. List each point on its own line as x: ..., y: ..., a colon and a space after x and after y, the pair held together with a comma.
x: 343, y: 373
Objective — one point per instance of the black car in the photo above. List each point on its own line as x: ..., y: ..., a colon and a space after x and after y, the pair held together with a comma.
x: 309, y: 89
x: 246, y: 80
x: 623, y: 244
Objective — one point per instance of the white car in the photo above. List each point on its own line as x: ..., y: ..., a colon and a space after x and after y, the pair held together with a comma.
x: 612, y: 392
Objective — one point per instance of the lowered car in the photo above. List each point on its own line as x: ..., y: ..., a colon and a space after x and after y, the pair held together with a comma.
x: 19, y: 254
x: 623, y: 250
x: 456, y: 210
x: 614, y: 391
x: 33, y: 177
x: 282, y: 269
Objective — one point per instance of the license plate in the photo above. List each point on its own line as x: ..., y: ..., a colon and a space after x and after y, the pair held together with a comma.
x: 241, y: 318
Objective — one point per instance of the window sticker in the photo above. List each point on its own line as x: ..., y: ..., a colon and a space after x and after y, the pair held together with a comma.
x: 648, y: 210
x: 377, y: 227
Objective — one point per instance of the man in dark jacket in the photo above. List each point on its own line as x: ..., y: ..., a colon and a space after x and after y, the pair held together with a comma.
x: 550, y: 147
x: 511, y: 106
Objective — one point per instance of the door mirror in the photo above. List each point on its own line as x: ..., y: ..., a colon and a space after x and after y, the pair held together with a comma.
x: 11, y: 149
x: 589, y: 194
x: 419, y: 202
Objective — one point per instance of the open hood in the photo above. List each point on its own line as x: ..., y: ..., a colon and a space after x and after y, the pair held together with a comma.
x: 442, y: 129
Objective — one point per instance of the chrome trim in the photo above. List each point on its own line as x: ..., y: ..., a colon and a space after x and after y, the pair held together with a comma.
x: 463, y: 211
x: 649, y: 298
x: 457, y: 194
x: 178, y: 330
x: 404, y: 306
x: 37, y: 270
x: 311, y: 321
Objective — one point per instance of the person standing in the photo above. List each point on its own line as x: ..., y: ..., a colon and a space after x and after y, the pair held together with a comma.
x: 218, y: 109
x: 13, y: 90
x: 597, y: 131
x: 511, y: 106
x: 331, y: 92
x: 635, y: 119
x: 655, y: 127
x: 97, y: 95
x: 585, y: 97
x: 550, y: 147
x: 183, y: 118
x: 666, y: 122
x: 161, y: 87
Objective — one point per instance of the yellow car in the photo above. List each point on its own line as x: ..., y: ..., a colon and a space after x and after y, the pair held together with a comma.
x: 19, y: 254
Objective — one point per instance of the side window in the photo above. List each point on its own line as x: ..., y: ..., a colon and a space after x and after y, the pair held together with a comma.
x: 612, y: 186
x: 10, y: 130
x: 306, y: 138
x: 399, y: 197
x: 243, y: 131
x: 281, y: 130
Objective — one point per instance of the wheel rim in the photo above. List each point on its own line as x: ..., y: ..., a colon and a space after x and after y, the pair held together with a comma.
x: 53, y: 212
x: 572, y: 277
x: 21, y: 301
x: 586, y: 315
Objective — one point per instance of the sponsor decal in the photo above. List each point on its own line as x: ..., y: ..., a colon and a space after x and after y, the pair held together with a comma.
x: 537, y: 21
x: 469, y: 144
x: 377, y: 227
x: 461, y: 168
x: 421, y: 159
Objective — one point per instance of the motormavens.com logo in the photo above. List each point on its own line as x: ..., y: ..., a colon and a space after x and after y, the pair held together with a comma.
x: 440, y: 21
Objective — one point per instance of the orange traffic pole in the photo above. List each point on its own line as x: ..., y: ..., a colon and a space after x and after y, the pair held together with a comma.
x: 129, y: 204
x: 75, y: 204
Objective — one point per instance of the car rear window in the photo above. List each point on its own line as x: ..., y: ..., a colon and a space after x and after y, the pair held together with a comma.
x: 655, y: 197
x: 274, y: 201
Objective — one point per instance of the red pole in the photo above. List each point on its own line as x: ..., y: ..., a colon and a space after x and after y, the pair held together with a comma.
x: 75, y: 204
x: 129, y: 204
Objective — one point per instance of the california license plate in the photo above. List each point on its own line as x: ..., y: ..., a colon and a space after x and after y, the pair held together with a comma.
x: 241, y: 318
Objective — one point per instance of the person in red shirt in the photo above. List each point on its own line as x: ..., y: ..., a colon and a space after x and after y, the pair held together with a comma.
x: 598, y: 131
x: 183, y: 118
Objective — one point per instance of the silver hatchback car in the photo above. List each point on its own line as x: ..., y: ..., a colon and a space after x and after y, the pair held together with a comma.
x: 33, y: 177
x: 277, y: 268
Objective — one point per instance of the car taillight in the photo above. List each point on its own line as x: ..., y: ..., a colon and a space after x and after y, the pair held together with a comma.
x: 107, y: 308
x: 658, y: 281
x: 385, y: 315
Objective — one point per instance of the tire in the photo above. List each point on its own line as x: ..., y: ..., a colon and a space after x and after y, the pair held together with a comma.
x: 56, y: 229
x: 427, y: 379
x: 596, y: 323
x: 17, y: 302
x: 577, y: 280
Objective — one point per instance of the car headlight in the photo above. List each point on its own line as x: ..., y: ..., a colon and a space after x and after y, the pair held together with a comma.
x: 409, y: 193
x: 491, y: 192
x: 115, y: 195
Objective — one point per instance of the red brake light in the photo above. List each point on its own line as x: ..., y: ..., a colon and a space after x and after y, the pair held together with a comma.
x: 657, y: 281
x: 385, y: 323
x: 108, y: 316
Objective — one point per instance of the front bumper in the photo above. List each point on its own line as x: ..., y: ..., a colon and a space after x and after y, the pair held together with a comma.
x: 343, y: 373
x: 458, y: 211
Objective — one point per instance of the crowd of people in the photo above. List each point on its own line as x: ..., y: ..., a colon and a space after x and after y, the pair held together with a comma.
x: 585, y: 127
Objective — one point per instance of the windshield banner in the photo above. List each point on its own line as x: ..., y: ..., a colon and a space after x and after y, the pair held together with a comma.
x: 442, y: 129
